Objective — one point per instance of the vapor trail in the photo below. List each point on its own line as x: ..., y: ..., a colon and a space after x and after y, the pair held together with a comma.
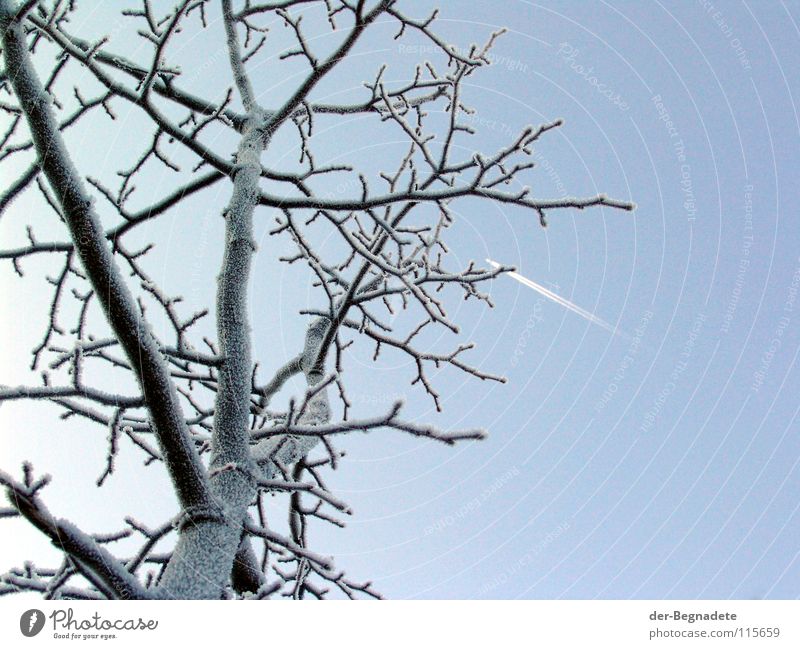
x: 591, y: 317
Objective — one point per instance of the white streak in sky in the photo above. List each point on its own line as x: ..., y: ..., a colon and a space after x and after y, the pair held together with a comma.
x: 591, y: 317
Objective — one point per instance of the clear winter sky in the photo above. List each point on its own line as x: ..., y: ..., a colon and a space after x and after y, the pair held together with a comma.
x: 661, y: 463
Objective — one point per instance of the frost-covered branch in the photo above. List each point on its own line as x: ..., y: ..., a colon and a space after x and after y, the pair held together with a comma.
x: 130, y: 329
x: 388, y: 420
x: 103, y: 570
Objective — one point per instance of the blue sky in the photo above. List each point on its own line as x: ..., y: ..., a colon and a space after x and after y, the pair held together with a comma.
x: 662, y: 462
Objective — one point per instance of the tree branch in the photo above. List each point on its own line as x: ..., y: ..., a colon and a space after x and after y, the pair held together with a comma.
x: 95, y: 562
x: 186, y: 471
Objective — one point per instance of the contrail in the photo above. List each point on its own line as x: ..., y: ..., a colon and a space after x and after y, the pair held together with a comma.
x: 591, y: 317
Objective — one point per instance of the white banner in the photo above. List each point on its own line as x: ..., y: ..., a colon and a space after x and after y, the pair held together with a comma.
x: 417, y: 624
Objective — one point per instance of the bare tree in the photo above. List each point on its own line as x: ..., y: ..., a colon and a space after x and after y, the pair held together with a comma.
x: 199, y: 407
